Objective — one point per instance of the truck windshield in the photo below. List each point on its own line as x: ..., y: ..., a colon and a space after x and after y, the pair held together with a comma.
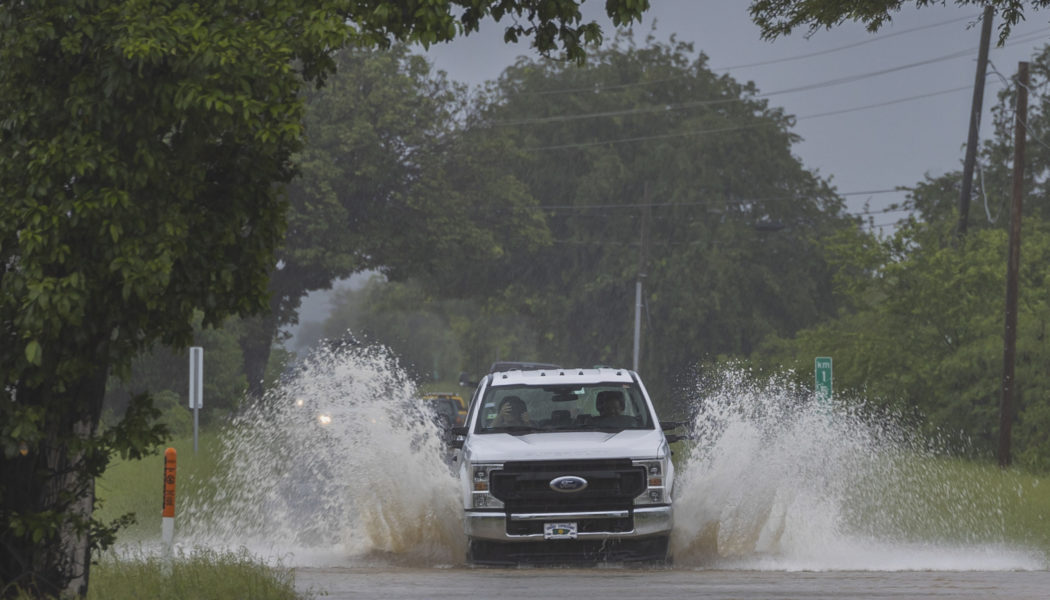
x: 586, y: 407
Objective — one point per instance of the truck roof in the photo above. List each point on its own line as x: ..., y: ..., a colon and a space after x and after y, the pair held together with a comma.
x: 561, y: 375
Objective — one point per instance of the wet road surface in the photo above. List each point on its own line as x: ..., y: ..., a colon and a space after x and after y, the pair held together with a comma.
x: 461, y: 583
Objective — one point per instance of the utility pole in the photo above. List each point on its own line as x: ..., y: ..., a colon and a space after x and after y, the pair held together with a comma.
x: 643, y: 258
x: 975, y: 120
x: 1006, y: 404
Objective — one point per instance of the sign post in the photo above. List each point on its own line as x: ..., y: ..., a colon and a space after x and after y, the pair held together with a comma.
x: 167, y: 521
x: 196, y: 388
x: 822, y: 371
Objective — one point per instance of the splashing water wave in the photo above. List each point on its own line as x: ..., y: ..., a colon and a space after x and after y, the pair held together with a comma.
x: 779, y: 481
x: 775, y: 482
x: 369, y: 483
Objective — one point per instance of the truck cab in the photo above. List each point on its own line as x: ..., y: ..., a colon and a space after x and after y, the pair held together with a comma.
x: 562, y: 465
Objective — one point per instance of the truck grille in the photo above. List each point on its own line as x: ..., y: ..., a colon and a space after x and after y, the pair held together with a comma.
x: 525, y: 486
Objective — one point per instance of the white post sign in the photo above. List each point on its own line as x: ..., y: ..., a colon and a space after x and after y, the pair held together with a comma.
x: 196, y: 387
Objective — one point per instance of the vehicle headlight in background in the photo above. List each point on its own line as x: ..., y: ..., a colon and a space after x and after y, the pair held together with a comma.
x: 656, y: 482
x: 480, y: 480
x: 299, y: 402
x: 324, y: 419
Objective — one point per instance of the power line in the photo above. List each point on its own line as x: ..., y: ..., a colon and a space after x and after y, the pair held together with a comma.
x: 847, y: 46
x: 878, y: 38
x: 645, y: 138
x: 637, y: 205
x: 744, y: 127
x: 709, y: 102
x: 894, y: 223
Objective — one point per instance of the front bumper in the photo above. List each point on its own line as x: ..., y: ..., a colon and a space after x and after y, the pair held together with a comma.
x: 492, y: 525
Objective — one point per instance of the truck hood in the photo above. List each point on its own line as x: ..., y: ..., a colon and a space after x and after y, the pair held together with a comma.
x: 630, y: 443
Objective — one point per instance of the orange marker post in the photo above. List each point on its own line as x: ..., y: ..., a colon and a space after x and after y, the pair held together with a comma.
x: 167, y: 523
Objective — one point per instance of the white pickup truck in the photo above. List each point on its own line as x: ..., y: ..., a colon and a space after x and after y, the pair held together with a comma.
x: 561, y: 465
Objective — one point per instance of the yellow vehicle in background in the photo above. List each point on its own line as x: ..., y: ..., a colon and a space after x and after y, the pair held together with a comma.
x: 449, y: 409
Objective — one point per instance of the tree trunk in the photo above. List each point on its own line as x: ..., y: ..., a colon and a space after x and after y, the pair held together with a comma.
x: 256, y: 343
x: 74, y: 544
x: 51, y: 489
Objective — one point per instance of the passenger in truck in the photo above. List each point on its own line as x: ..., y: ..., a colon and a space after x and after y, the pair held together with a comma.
x: 512, y: 411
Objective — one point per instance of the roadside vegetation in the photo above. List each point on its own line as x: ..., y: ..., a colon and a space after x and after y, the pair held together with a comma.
x: 929, y: 500
x: 134, y: 486
x: 132, y: 572
x: 201, y: 574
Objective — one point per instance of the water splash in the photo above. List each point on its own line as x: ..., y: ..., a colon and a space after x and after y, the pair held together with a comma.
x: 776, y: 482
x: 341, y: 463
x: 780, y: 481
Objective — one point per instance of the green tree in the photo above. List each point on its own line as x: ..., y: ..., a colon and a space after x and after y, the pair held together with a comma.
x: 435, y: 336
x: 651, y: 129
x: 925, y: 337
x: 781, y: 17
x: 402, y: 317
x: 923, y: 332
x: 143, y: 147
x: 371, y: 133
x: 389, y: 183
x: 164, y: 369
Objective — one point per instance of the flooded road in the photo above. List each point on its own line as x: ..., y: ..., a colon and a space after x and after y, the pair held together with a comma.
x: 631, y: 584
x: 779, y: 498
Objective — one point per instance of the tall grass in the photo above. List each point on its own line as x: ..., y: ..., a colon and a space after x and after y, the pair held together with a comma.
x: 202, y: 574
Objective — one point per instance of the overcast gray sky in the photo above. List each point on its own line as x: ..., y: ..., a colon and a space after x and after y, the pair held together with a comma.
x: 856, y: 131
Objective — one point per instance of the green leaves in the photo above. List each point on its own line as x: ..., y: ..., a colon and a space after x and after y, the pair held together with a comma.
x: 781, y: 17
x: 34, y: 353
x: 598, y: 144
x: 925, y: 337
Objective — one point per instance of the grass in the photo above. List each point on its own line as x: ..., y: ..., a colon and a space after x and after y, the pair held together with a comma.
x: 955, y: 500
x: 202, y: 575
x: 135, y: 486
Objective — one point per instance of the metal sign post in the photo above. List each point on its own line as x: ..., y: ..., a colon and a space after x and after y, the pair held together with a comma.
x: 196, y: 388
x: 822, y: 371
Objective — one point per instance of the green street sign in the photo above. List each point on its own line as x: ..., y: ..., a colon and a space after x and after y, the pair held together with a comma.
x: 822, y: 371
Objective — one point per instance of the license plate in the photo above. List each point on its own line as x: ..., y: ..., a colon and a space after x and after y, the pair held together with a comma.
x: 559, y: 531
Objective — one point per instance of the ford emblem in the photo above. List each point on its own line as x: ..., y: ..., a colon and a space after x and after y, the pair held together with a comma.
x: 568, y: 483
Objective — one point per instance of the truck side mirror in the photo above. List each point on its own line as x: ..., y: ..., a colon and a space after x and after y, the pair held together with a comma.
x: 457, y: 435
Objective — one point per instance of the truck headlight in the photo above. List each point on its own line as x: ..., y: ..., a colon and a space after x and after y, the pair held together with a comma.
x: 481, y: 496
x: 657, y: 483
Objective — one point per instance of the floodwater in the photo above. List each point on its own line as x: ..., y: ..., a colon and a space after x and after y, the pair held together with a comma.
x: 610, y: 584
x: 340, y: 475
